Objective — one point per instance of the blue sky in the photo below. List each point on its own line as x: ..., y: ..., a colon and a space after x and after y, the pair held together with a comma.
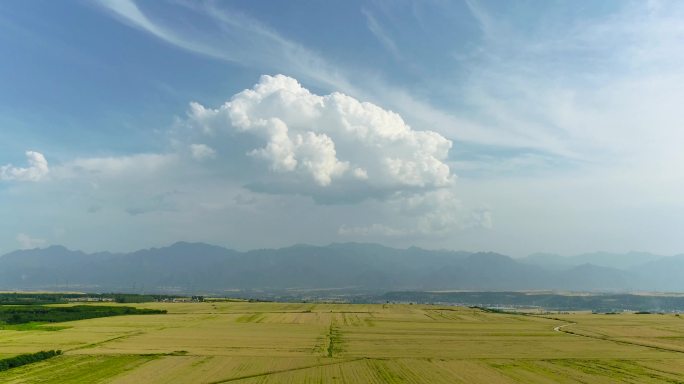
x: 515, y: 127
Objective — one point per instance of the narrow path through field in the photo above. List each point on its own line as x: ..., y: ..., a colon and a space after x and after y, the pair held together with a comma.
x: 559, y: 328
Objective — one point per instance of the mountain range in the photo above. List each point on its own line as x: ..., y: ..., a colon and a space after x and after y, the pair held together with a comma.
x: 198, y: 267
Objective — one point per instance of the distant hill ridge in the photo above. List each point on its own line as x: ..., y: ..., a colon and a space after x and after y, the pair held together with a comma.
x: 187, y: 266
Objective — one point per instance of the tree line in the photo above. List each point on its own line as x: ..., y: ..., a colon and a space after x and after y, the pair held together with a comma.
x: 27, y: 358
x: 25, y: 298
x: 42, y: 314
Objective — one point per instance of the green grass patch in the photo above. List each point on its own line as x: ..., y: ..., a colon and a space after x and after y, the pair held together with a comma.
x: 75, y: 369
x: 32, y: 326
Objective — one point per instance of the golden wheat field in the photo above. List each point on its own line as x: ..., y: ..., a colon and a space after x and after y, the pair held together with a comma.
x: 240, y: 342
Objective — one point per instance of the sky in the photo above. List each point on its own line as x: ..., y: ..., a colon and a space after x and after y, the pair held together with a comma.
x: 514, y: 127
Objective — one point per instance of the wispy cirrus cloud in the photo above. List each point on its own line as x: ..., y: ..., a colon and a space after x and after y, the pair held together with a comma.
x: 235, y: 37
x: 239, y: 38
x: 379, y: 32
x: 600, y: 86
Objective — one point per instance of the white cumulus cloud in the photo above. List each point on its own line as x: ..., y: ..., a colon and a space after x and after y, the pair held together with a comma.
x: 37, y: 169
x: 332, y: 141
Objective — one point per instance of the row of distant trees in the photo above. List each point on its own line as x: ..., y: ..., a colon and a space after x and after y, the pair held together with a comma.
x: 21, y: 314
x: 28, y: 358
x: 24, y: 298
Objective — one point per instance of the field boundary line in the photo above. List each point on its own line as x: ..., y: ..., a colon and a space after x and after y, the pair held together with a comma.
x: 287, y: 370
x: 137, y: 333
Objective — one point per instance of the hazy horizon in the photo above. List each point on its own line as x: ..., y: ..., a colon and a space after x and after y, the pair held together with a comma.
x: 510, y: 127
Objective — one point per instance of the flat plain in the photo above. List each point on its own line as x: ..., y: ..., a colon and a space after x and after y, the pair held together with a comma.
x: 240, y: 342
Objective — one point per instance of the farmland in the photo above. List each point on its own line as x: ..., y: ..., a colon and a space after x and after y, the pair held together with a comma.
x: 241, y: 342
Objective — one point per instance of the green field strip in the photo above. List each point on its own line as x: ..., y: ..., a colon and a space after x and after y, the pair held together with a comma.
x: 333, y: 339
x: 90, y: 369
